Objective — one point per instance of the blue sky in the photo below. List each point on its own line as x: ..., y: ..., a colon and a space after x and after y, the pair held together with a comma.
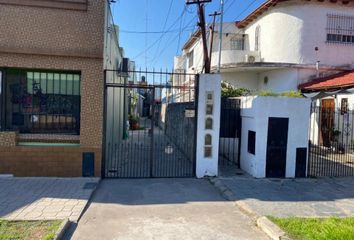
x: 156, y: 50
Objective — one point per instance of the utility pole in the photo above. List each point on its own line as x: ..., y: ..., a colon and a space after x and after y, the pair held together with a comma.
x: 212, y: 34
x: 220, y: 32
x: 201, y: 24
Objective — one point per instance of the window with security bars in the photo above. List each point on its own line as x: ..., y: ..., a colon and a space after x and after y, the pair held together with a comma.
x: 237, y: 43
x: 42, y: 101
x: 340, y: 29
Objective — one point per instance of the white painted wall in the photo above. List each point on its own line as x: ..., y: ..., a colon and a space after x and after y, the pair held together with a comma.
x: 255, y: 113
x: 248, y: 80
x: 208, y: 166
x: 280, y: 80
x: 290, y: 31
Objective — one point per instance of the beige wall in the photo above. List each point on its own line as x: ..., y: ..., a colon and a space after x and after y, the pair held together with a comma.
x: 53, y: 31
x: 57, y: 39
x: 46, y: 161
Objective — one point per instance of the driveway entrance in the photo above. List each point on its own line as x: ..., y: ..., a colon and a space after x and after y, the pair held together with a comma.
x: 150, y: 124
x: 162, y: 209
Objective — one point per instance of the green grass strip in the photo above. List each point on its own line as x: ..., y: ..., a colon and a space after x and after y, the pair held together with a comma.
x: 28, y: 230
x: 317, y: 228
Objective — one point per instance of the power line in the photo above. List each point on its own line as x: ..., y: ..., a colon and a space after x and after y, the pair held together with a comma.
x: 173, y: 40
x: 154, y: 43
x: 229, y: 6
x: 164, y: 26
x: 152, y: 32
x: 146, y: 27
x: 179, y: 35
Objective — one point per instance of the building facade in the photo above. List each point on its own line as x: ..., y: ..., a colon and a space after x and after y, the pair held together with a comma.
x: 282, y: 44
x: 52, y: 57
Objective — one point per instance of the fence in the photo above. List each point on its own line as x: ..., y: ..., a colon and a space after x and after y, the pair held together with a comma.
x: 230, y: 131
x: 179, y: 128
x: 331, y: 150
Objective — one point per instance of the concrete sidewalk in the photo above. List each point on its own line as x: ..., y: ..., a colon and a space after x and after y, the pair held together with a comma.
x: 44, y: 198
x: 163, y: 209
x: 291, y: 197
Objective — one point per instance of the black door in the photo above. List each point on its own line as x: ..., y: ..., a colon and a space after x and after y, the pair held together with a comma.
x: 277, y: 147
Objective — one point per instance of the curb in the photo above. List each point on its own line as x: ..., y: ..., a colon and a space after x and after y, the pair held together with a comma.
x: 267, y: 226
x: 62, y: 229
x: 88, y: 201
x: 271, y: 229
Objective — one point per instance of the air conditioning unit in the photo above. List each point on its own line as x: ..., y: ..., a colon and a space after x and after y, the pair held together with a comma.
x: 250, y: 58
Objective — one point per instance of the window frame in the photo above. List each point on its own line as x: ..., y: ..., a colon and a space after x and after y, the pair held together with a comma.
x: 33, y: 109
x: 257, y: 39
x: 237, y: 41
x: 344, y: 106
x: 190, y: 57
x: 340, y: 29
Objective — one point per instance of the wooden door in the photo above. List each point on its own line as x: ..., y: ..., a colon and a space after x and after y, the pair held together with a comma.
x: 327, y: 121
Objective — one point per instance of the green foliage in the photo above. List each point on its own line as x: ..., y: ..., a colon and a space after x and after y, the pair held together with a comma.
x: 133, y: 119
x: 317, y: 229
x: 266, y: 93
x: 228, y: 90
x: 42, y: 230
x: 290, y: 94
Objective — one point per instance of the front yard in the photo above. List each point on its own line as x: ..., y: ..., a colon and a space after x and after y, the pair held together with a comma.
x: 28, y: 230
x: 317, y: 228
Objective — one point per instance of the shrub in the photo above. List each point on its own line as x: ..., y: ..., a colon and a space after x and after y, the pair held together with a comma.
x: 228, y: 91
x: 290, y: 94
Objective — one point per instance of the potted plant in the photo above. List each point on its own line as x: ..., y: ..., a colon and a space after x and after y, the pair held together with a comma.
x: 335, y: 135
x: 134, y: 122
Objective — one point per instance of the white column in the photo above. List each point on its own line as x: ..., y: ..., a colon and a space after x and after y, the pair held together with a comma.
x: 207, y: 162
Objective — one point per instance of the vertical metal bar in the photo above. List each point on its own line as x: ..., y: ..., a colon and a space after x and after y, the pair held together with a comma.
x: 46, y: 101
x: 196, y: 103
x: 1, y: 99
x: 72, y: 104
x: 39, y: 102
x: 239, y: 139
x: 66, y: 99
x: 152, y: 133
x: 104, y: 127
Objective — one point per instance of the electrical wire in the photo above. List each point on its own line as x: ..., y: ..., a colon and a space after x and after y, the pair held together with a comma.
x: 154, y: 43
x: 169, y: 42
x: 164, y: 26
x: 152, y: 32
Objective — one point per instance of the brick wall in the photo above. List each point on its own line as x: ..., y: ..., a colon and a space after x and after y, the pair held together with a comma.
x: 57, y: 39
x: 46, y: 161
x: 50, y: 31
x: 8, y: 139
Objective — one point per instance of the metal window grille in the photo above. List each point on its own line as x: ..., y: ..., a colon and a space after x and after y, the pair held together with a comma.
x: 340, y: 29
x: 42, y: 101
x: 237, y: 43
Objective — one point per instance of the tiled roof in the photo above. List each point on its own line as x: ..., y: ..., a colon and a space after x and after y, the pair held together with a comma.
x: 337, y: 81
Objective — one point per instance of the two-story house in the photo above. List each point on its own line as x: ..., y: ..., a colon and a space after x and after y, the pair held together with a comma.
x: 52, y: 59
x: 282, y: 44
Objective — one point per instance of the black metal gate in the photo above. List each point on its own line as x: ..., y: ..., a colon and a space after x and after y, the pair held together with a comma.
x: 150, y: 124
x: 230, y: 133
x: 331, y: 148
